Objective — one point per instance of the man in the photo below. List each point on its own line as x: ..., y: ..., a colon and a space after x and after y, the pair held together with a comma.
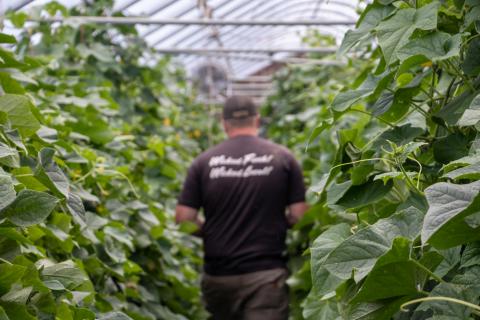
x: 244, y: 185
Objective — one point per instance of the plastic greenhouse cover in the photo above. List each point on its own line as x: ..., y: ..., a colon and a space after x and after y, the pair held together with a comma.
x: 194, y: 36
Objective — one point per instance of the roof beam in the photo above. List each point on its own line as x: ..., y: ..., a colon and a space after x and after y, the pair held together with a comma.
x: 244, y: 50
x: 199, y: 22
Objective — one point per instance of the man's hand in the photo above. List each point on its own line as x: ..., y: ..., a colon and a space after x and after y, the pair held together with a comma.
x: 184, y: 213
x: 296, y: 212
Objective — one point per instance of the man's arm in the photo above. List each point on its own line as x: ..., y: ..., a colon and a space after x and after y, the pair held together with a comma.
x: 296, y: 212
x: 184, y: 213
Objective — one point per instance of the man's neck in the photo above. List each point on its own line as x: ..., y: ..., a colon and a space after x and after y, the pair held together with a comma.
x: 243, y: 132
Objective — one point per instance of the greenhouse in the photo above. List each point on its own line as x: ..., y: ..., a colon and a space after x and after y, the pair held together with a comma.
x: 242, y: 159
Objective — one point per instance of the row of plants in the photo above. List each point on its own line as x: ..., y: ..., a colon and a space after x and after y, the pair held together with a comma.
x: 96, y: 133
x: 394, y: 231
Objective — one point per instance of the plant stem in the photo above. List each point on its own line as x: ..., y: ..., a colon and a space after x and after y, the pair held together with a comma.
x: 440, y: 298
x: 417, y: 107
x: 374, y: 116
x: 433, y: 275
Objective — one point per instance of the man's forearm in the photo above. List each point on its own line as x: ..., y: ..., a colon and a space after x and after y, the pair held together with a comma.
x: 296, y: 212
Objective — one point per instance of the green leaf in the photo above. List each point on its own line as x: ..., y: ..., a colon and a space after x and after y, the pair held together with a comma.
x: 404, y: 79
x: 6, y: 38
x: 316, y: 308
x: 383, y: 104
x: 322, y: 281
x: 47, y: 135
x: 76, y: 209
x: 450, y: 148
x: 462, y: 162
x: 387, y: 176
x: 471, y: 172
x: 471, y: 64
x: 395, y: 32
x: 9, y: 274
x: 394, y: 275
x: 378, y: 310
x: 345, y: 99
x: 399, y: 135
x: 114, y: 316
x: 317, y: 131
x: 446, y: 309
x: 9, y: 157
x: 471, y: 255
x: 359, y: 253
x: 50, y: 174
x: 3, y: 314
x: 365, y: 194
x: 30, y: 207
x: 19, y: 111
x: 66, y: 273
x: 7, y: 192
x: 450, y: 204
x: 471, y: 116
x: 436, y: 46
x: 452, y: 112
x: 369, y: 19
x: 16, y: 311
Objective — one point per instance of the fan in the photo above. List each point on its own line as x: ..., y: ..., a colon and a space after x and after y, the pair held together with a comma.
x: 211, y: 79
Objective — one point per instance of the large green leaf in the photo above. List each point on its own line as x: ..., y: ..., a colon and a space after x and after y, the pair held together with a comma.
x: 435, y: 46
x: 450, y: 148
x: 345, y: 99
x: 322, y: 281
x: 471, y: 172
x: 378, y: 310
x: 16, y: 311
x: 316, y: 308
x: 9, y: 156
x: 66, y: 273
x: 395, y: 32
x: 471, y: 116
x: 30, y: 207
x: 399, y: 135
x: 9, y: 274
x: 19, y: 112
x: 50, y: 174
x: 76, y: 209
x: 365, y: 194
x: 7, y: 192
x: 393, y: 275
x: 450, y: 204
x: 359, y: 253
x: 471, y: 64
x: 369, y: 19
x: 453, y: 111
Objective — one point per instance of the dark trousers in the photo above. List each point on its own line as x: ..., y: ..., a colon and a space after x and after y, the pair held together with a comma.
x: 251, y: 296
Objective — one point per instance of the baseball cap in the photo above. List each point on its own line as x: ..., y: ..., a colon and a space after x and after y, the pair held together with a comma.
x: 237, y: 107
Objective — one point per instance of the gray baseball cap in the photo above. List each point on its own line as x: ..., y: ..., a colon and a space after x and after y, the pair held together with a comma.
x: 237, y: 107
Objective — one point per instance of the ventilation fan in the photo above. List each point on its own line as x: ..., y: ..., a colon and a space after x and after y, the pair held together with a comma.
x: 211, y: 80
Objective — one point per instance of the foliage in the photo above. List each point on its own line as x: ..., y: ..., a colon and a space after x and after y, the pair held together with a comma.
x: 407, y: 176
x: 92, y: 155
x: 413, y: 187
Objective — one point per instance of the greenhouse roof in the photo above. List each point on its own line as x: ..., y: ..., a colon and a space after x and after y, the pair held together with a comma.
x: 244, y: 36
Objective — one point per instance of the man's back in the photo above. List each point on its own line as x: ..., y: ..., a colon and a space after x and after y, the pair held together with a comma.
x: 244, y: 185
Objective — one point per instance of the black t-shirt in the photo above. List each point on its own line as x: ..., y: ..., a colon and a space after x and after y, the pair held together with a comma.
x: 244, y: 185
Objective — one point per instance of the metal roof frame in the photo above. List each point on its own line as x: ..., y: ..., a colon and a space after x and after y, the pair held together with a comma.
x: 252, y: 32
x: 237, y: 30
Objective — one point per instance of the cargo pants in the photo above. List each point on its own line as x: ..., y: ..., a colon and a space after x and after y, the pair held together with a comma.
x: 251, y: 296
